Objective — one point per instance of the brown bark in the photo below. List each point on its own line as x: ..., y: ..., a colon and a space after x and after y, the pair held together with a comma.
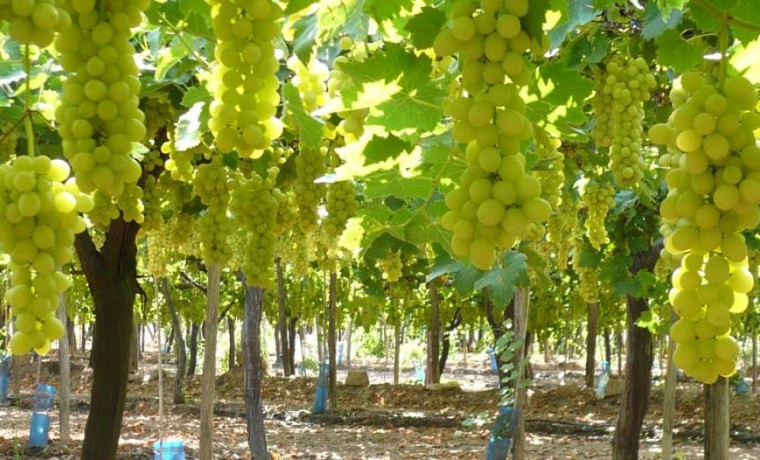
x: 231, y: 334
x: 208, y: 379
x: 521, y: 313
x: 253, y: 372
x: 111, y: 274
x: 64, y: 353
x: 397, y: 334
x: 192, y: 362
x: 717, y: 420
x: 593, y: 317
x: 134, y: 349
x: 282, y: 323
x: 638, y: 369
x: 432, y: 373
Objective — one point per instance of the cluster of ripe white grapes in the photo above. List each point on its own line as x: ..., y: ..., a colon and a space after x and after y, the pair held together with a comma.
x: 713, y: 195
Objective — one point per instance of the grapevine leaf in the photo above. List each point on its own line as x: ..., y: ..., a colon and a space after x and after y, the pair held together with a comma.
x: 197, y: 16
x: 294, y: 6
x: 381, y: 10
x: 444, y: 267
x: 533, y: 22
x: 676, y: 52
x: 10, y: 73
x: 388, y: 183
x: 196, y: 94
x: 705, y: 20
x: 589, y: 257
x: 749, y: 12
x: 581, y: 12
x: 588, y: 50
x: 667, y: 7
x: 305, y: 35
x: 420, y: 231
x: 655, y: 23
x: 559, y: 85
x: 503, y: 282
x: 310, y: 128
x: 344, y: 17
x: 168, y: 57
x: 465, y: 279
x: 418, y: 104
x: 380, y: 149
x: 187, y: 134
x: 425, y: 26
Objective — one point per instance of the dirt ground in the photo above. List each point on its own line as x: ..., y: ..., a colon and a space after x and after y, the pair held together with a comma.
x: 382, y: 421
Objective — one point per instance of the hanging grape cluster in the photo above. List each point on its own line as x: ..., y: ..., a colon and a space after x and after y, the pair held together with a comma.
x: 244, y: 83
x: 34, y: 22
x: 623, y: 87
x: 212, y: 183
x: 713, y: 182
x: 392, y: 266
x: 497, y: 201
x: 310, y: 80
x: 38, y: 222
x: 561, y: 224
x: 588, y: 278
x: 99, y: 115
x: 255, y: 206
x: 598, y: 199
x: 340, y: 206
x: 310, y: 165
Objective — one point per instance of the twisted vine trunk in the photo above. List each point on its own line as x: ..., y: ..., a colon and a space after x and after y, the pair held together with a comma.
x: 179, y: 344
x: 593, y: 317
x: 253, y: 371
x: 111, y: 274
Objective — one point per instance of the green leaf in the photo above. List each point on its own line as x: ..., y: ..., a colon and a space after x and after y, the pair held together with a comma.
x: 655, y: 23
x: 344, y: 17
x: 676, y: 52
x: 533, y: 22
x: 196, y: 94
x: 389, y: 183
x: 380, y: 149
x: 444, y: 267
x: 465, y: 280
x: 747, y: 11
x: 187, y: 133
x: 706, y: 20
x: 305, y: 36
x: 425, y: 25
x: 294, y: 6
x: 581, y: 12
x: 667, y: 6
x: 309, y: 128
x: 168, y: 57
x: 503, y: 282
x: 382, y: 10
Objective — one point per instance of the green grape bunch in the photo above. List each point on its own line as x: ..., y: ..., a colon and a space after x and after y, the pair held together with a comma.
x: 34, y: 22
x: 340, y: 206
x: 213, y: 183
x: 8, y: 141
x: 244, y: 82
x: 39, y: 217
x: 598, y: 198
x: 392, y: 266
x: 713, y: 177
x: 623, y: 87
x: 99, y: 116
x: 255, y: 207
x: 310, y: 165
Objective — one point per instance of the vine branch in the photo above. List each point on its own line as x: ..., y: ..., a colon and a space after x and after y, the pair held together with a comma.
x: 725, y: 17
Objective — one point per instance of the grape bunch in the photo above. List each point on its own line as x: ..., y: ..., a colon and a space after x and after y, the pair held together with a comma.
x: 713, y: 178
x: 561, y: 224
x: 159, y: 112
x: 99, y: 115
x: 340, y: 206
x: 588, y: 279
x: 34, y: 22
x: 8, y: 142
x: 244, y: 83
x: 392, y: 266
x: 626, y: 84
x: 598, y: 199
x: 310, y: 165
x: 492, y: 38
x: 255, y: 206
x: 213, y: 183
x: 39, y: 218
x: 552, y: 177
x: 180, y: 163
x: 310, y: 81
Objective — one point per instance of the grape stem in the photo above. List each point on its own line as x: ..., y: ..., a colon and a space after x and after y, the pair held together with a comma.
x: 28, y: 103
x: 724, y: 16
x: 723, y: 54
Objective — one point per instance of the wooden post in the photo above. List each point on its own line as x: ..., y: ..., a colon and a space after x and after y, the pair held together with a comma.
x: 669, y: 403
x: 754, y: 363
x: 433, y: 342
x: 397, y: 353
x: 522, y: 307
x: 332, y: 394
x: 348, y: 342
x: 717, y: 420
x: 64, y: 353
x: 282, y: 322
x: 209, y: 365
x: 253, y: 372
x: 593, y: 317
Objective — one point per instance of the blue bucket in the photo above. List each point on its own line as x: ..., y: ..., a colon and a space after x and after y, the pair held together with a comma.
x: 44, y: 398
x: 169, y: 450
x: 38, y: 433
x: 3, y: 388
